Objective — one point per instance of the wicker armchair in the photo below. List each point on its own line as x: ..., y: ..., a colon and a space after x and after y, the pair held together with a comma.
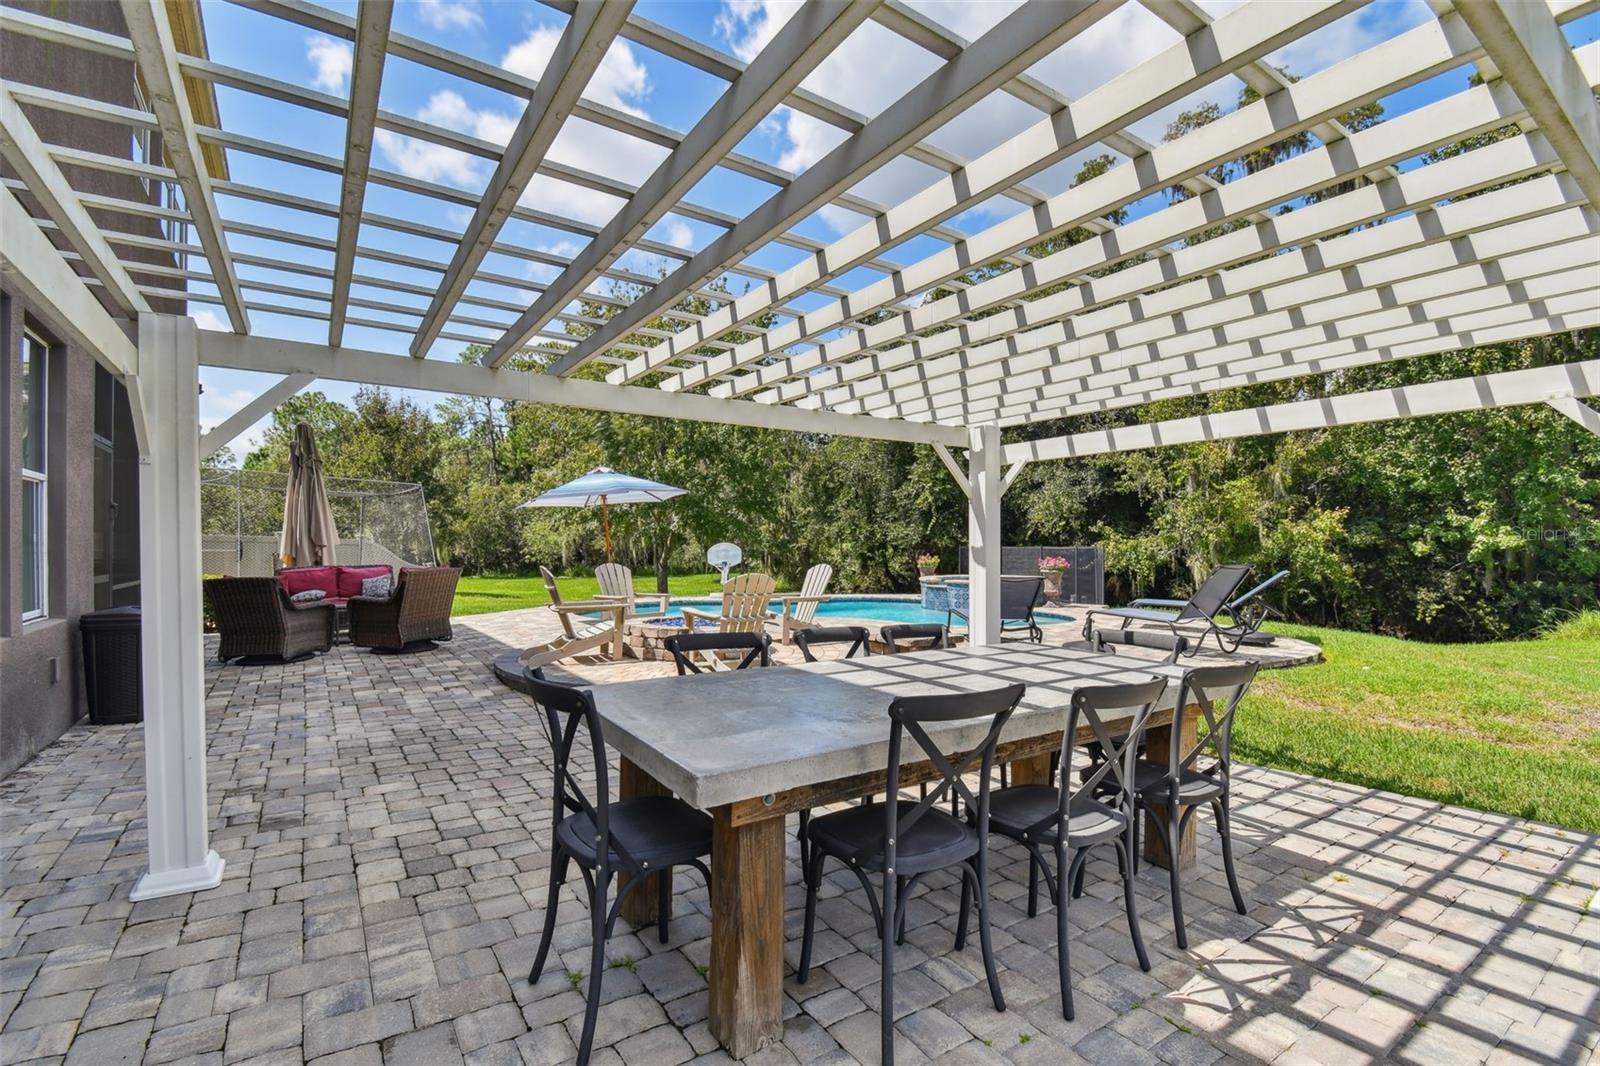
x: 418, y: 609
x: 255, y: 617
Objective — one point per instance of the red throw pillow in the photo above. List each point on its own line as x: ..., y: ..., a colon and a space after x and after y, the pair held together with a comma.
x: 309, y: 577
x: 350, y: 578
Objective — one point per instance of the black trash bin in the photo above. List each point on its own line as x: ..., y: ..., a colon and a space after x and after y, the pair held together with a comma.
x: 112, y: 665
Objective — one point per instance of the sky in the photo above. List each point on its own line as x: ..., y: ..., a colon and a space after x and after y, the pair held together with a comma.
x: 867, y: 73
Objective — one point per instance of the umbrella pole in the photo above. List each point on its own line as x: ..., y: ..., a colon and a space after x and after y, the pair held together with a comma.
x: 605, y: 523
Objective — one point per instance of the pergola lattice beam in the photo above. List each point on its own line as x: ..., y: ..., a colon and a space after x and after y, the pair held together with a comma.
x: 1432, y: 240
x: 1512, y: 388
x: 1579, y: 412
x: 1017, y: 42
x: 1053, y: 318
x: 804, y: 41
x: 1532, y: 54
x: 30, y: 158
x: 366, y: 79
x: 1246, y: 32
x: 1472, y: 300
x: 583, y: 44
x: 156, y: 55
x: 274, y: 356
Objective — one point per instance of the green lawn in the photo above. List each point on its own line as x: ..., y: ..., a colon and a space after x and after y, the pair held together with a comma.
x: 483, y: 594
x: 1511, y: 727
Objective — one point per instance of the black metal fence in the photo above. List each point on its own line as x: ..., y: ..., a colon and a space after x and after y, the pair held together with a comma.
x: 1084, y: 581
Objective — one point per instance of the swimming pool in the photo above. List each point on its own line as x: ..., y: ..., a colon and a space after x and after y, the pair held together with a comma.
x: 842, y: 607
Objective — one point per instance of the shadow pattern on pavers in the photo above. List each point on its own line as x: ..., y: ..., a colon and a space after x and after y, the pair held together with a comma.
x: 385, y: 825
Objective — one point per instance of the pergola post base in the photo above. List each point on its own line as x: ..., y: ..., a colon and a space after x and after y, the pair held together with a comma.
x: 167, y: 383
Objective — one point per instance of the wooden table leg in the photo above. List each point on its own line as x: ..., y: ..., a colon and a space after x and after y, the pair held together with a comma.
x: 639, y: 910
x: 1034, y: 770
x: 746, y: 1005
x: 1157, y: 745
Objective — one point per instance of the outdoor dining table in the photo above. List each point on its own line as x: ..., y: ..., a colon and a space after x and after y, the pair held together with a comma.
x: 753, y: 746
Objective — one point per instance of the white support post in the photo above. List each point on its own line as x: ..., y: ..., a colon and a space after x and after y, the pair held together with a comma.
x: 983, y: 535
x: 181, y: 859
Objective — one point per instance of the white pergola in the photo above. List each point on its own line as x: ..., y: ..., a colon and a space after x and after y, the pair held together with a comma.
x: 1309, y: 290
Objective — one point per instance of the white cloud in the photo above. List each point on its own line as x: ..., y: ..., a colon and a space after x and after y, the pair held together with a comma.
x: 621, y: 81
x: 679, y: 234
x: 206, y: 318
x: 450, y: 14
x: 330, y: 61
x: 747, y: 25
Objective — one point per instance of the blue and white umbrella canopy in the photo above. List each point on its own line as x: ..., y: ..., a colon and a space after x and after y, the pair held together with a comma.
x: 604, y: 486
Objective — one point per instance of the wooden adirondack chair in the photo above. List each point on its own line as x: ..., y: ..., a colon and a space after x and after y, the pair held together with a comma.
x: 745, y: 609
x: 800, y: 609
x: 579, y: 635
x: 744, y: 605
x: 616, y: 583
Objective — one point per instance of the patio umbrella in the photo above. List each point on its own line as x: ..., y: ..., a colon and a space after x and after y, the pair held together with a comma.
x: 604, y: 486
x: 309, y: 535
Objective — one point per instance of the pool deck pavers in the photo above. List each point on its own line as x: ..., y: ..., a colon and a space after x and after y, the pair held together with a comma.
x: 385, y: 823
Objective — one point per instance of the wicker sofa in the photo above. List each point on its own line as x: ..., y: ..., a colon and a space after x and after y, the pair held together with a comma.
x: 418, y: 609
x: 255, y: 617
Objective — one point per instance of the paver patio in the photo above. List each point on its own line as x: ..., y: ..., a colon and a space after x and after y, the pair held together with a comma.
x: 384, y: 823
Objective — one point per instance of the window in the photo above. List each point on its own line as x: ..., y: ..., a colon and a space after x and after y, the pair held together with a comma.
x: 35, y: 485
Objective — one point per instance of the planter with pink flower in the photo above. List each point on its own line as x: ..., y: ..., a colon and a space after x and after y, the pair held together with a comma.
x: 1051, y: 568
x: 927, y: 564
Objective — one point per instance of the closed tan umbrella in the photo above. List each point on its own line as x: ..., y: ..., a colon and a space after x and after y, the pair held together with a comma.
x: 309, y: 536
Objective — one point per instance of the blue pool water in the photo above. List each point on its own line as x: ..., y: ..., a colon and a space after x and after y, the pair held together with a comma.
x: 875, y: 610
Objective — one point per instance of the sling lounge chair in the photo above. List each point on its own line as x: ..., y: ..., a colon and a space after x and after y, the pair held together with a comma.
x: 800, y: 609
x: 1019, y: 595
x: 745, y: 601
x: 1243, y: 609
x: 616, y: 583
x: 579, y: 634
x: 1199, y: 611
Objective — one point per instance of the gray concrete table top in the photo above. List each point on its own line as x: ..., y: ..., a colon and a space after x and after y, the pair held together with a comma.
x: 719, y: 738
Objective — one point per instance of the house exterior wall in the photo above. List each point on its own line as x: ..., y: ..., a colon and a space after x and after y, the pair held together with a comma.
x: 41, y: 663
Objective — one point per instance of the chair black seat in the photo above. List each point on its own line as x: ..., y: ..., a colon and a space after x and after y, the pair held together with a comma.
x: 935, y: 840
x: 1014, y: 811
x: 1150, y: 781
x: 656, y: 830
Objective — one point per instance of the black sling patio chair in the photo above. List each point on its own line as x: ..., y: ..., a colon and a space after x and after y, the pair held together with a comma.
x: 756, y: 646
x: 917, y: 636
x: 904, y: 841
x: 637, y: 837
x: 858, y: 637
x: 1019, y: 595
x: 1182, y: 786
x: 1099, y: 810
x: 1250, y: 608
x: 1200, y: 610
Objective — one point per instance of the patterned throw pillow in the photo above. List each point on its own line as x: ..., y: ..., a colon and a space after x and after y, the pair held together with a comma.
x: 375, y: 587
x: 309, y: 596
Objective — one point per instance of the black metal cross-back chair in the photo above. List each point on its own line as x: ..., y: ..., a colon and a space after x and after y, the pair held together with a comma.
x: 905, y: 841
x: 856, y: 636
x: 911, y: 637
x: 756, y: 646
x: 1182, y: 787
x: 639, y: 837
x: 1062, y: 818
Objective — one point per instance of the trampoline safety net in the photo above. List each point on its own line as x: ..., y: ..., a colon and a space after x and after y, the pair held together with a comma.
x: 241, y: 521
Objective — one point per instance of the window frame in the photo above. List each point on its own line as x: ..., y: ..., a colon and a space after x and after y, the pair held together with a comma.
x: 34, y: 347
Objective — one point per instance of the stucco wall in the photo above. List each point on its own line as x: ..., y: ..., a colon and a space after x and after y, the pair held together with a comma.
x: 40, y: 663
